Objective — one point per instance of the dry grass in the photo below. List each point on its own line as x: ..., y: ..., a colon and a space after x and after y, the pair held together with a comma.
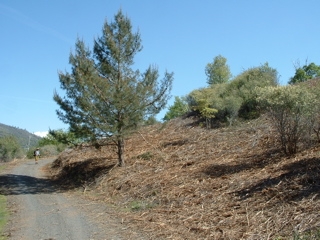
x: 185, y: 182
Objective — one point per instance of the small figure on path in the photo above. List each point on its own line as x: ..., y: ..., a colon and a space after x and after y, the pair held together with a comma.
x: 36, y: 155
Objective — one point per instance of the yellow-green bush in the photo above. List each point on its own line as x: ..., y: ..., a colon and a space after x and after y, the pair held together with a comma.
x: 292, y: 109
x: 227, y: 101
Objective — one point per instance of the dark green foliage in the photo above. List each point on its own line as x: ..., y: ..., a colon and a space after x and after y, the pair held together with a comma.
x: 10, y: 148
x: 47, y: 140
x: 245, y: 86
x: 56, y: 137
x: 106, y: 98
x: 24, y: 138
x: 305, y: 73
x: 249, y: 109
x: 179, y: 108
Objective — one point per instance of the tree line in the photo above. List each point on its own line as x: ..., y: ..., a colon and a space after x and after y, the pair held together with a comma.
x: 51, y: 145
x: 294, y: 108
x: 106, y: 99
x: 14, y: 142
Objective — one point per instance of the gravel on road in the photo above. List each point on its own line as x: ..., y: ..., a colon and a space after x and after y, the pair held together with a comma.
x: 40, y: 211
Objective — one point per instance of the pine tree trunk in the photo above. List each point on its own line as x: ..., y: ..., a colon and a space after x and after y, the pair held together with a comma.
x: 120, y: 145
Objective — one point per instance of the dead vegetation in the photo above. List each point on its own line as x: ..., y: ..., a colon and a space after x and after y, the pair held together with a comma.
x: 185, y: 182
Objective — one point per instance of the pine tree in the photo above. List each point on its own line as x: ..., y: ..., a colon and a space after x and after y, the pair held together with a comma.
x: 106, y: 98
x: 218, y: 71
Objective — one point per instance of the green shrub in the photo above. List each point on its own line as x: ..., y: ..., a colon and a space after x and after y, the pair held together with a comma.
x: 179, y: 108
x: 201, y: 101
x: 4, y: 214
x: 245, y: 86
x: 48, y: 150
x: 56, y: 137
x: 238, y: 98
x: 10, y: 149
x: 305, y: 73
x: 54, y: 143
x: 292, y: 109
x: 308, y: 235
x: 313, y: 86
x: 146, y: 156
x: 140, y: 205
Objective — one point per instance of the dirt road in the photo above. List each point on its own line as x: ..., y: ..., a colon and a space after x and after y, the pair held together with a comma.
x: 41, y: 211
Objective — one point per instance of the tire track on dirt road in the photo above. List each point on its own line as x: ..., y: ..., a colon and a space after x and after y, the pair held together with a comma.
x: 44, y: 212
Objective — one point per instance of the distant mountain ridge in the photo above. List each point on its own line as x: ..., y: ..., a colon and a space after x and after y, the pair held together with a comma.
x: 25, y: 138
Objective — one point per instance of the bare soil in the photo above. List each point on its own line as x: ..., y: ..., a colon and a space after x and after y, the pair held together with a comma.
x: 185, y: 182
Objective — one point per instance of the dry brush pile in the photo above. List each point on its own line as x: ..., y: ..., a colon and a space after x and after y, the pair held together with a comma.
x: 185, y: 182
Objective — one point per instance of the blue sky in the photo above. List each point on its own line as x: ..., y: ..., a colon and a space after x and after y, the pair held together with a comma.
x: 180, y: 36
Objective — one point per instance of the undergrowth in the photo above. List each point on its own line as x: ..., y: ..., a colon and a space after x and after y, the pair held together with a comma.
x: 3, y: 215
x: 185, y: 182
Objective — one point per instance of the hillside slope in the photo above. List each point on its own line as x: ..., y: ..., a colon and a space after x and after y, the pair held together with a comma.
x: 185, y: 182
x: 22, y: 136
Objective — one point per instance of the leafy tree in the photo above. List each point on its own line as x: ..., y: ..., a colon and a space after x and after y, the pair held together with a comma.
x: 179, y: 108
x: 245, y: 86
x: 201, y: 101
x: 151, y: 120
x: 305, y: 73
x: 63, y: 137
x: 218, y: 71
x: 9, y: 148
x: 236, y: 98
x: 106, y: 98
x: 47, y: 140
x: 58, y: 137
x: 218, y: 97
x: 54, y: 142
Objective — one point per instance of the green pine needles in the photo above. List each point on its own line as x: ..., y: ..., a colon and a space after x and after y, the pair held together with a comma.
x: 105, y: 97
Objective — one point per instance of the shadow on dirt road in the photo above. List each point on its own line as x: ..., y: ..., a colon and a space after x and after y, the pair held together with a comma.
x: 12, y: 184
